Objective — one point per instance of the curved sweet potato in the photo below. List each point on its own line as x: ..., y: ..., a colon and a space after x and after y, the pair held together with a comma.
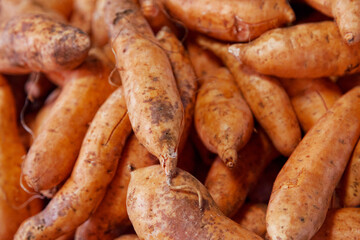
x: 159, y: 212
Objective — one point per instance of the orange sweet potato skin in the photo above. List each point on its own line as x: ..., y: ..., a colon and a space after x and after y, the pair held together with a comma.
x: 157, y: 212
x: 11, y: 153
x: 298, y: 203
x: 231, y: 20
x: 229, y: 187
x: 92, y: 173
x: 128, y: 237
x: 110, y: 219
x: 52, y: 156
x: 252, y: 217
x: 154, y: 105
x: 222, y: 118
x: 340, y: 224
x: 290, y: 57
x: 38, y: 43
x: 311, y: 98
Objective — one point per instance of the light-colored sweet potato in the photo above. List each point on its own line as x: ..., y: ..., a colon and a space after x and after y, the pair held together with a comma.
x: 99, y: 28
x: 12, y: 197
x: 228, y: 19
x: 154, y: 105
x: 267, y: 100
x: 229, y: 187
x: 349, y: 189
x: 54, y: 151
x: 252, y: 217
x: 184, y: 76
x: 309, y: 50
x: 128, y: 237
x: 160, y: 211
x: 222, y: 118
x: 346, y: 14
x: 304, y: 187
x: 81, y: 16
x: 36, y: 43
x: 311, y: 98
x: 110, y: 219
x: 93, y: 172
x: 340, y: 224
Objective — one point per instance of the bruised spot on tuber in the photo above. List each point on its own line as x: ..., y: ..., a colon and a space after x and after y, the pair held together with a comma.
x: 161, y: 111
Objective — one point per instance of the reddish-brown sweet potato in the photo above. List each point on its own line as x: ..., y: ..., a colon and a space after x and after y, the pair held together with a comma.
x: 309, y: 50
x: 184, y: 211
x: 304, y: 187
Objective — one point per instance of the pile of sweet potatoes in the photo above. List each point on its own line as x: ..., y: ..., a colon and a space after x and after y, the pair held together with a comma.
x: 179, y: 120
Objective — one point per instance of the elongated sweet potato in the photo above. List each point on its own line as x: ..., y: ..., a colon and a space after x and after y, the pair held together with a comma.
x: 340, y: 224
x: 159, y: 212
x: 110, y: 219
x: 184, y: 76
x: 349, y: 189
x: 54, y: 151
x: 93, y: 172
x: 303, y: 189
x: 267, y: 99
x: 99, y: 28
x: 12, y: 197
x: 38, y: 43
x: 128, y: 237
x: 286, y: 52
x: 81, y: 16
x: 154, y: 105
x: 231, y: 20
x: 346, y: 14
x: 311, y: 98
x: 223, y: 120
x: 252, y: 217
x: 229, y: 187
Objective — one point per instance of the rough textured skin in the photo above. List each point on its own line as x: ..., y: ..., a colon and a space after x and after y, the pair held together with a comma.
x: 229, y: 187
x: 158, y: 212
x: 311, y: 98
x: 304, y: 187
x: 81, y: 16
x: 349, y: 189
x: 128, y: 237
x: 184, y: 76
x: 52, y: 155
x: 154, y: 105
x: 340, y: 224
x: 34, y: 43
x: 111, y: 219
x: 11, y: 153
x: 223, y: 120
x: 231, y: 20
x: 92, y: 173
x: 286, y: 52
x: 252, y: 217
x: 267, y: 100
x: 346, y: 14
x: 99, y: 28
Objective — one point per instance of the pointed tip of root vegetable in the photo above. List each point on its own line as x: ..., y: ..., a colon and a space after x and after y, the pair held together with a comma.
x: 229, y: 157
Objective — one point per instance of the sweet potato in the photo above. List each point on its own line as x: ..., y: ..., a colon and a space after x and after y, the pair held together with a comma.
x: 63, y: 7
x: 231, y: 20
x: 267, y: 100
x: 303, y: 189
x: 82, y: 14
x: 223, y: 120
x: 346, y: 14
x: 184, y: 76
x: 52, y: 155
x: 38, y: 43
x: 99, y: 29
x: 286, y: 52
x: 93, y: 172
x: 340, y: 224
x: 349, y: 189
x: 40, y: 87
x: 311, y: 98
x: 110, y: 219
x: 12, y: 197
x: 158, y: 211
x: 128, y: 237
x: 229, y: 187
x: 252, y: 217
x: 154, y: 105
